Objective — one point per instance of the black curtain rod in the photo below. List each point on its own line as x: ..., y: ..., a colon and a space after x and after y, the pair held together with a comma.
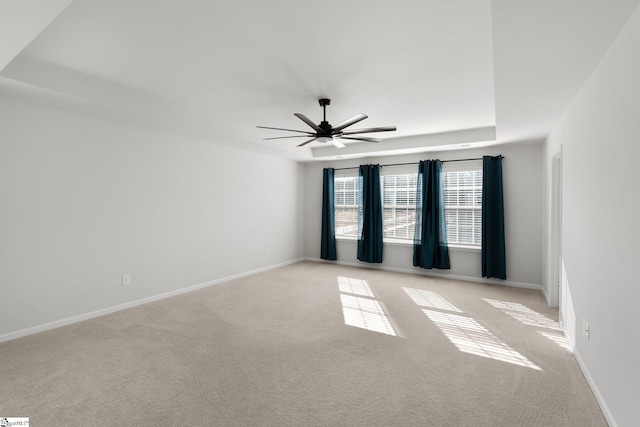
x: 415, y: 163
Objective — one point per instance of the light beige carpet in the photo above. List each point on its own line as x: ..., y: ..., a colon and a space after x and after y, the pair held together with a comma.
x: 290, y: 347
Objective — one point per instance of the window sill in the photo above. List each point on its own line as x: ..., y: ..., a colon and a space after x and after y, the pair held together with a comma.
x: 466, y: 248
x: 401, y: 242
x: 398, y: 242
x: 346, y: 238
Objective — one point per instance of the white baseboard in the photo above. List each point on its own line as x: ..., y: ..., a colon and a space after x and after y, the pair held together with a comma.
x: 546, y: 295
x: 430, y: 273
x: 79, y: 318
x: 596, y: 392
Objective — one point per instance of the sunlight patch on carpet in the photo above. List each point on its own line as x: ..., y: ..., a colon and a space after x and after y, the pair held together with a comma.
x: 366, y: 314
x: 471, y: 337
x: 430, y: 299
x: 355, y: 286
x: 524, y: 314
x: 558, y: 339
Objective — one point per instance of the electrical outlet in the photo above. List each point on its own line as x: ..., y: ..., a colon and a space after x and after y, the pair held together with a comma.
x: 266, y: 251
x: 126, y: 279
x: 586, y: 329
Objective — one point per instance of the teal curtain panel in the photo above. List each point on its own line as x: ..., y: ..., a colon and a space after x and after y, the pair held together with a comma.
x: 328, y: 239
x: 369, y: 214
x: 494, y: 260
x: 430, y: 236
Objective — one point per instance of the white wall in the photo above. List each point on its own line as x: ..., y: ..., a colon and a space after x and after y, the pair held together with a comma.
x: 600, y: 140
x: 522, y: 175
x: 84, y: 200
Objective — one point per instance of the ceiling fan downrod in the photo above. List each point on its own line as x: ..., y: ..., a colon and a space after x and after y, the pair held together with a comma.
x: 324, y: 125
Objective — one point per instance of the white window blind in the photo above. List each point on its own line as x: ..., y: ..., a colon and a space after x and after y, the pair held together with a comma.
x: 463, y: 206
x: 346, y: 206
x: 399, y: 205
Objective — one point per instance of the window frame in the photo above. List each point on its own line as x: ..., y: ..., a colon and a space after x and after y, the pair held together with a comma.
x: 461, y: 167
x: 343, y: 223
x: 470, y: 166
x: 409, y: 206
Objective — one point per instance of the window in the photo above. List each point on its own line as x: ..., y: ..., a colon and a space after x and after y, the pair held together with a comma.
x: 346, y: 206
x: 463, y: 206
x: 462, y: 198
x: 399, y: 205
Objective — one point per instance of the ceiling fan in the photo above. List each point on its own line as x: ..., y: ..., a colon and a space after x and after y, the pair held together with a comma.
x: 324, y: 132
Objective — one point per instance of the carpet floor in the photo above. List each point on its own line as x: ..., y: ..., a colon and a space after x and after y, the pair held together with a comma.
x: 309, y: 344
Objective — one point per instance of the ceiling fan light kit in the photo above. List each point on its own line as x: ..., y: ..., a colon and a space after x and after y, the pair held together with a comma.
x: 326, y: 133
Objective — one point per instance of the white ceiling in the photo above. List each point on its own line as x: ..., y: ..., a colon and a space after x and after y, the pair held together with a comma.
x: 447, y: 73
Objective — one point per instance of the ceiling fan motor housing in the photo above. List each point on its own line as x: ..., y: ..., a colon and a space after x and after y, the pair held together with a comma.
x: 326, y: 128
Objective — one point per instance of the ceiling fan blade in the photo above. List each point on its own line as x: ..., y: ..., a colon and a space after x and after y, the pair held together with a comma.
x: 308, y: 121
x: 349, y: 122
x: 284, y: 137
x: 336, y: 142
x: 288, y: 130
x: 367, y: 130
x: 306, y: 142
x: 361, y: 138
